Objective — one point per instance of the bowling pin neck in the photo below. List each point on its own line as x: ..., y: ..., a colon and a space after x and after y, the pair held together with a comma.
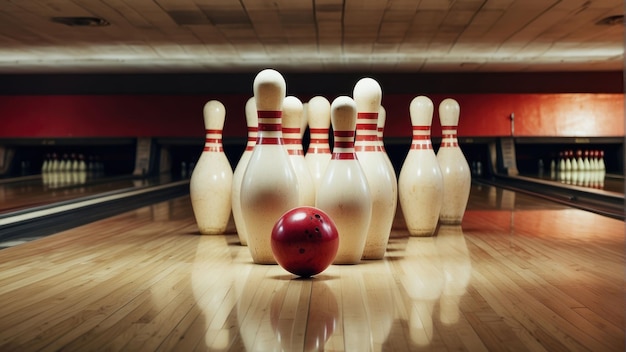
x: 367, y: 132
x: 292, y: 140
x: 252, y: 136
x: 343, y: 148
x: 213, y: 140
x: 448, y: 136
x: 319, y: 141
x: 421, y: 138
x: 270, y: 127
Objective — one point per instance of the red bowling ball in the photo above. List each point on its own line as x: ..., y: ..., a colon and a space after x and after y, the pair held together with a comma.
x: 305, y: 241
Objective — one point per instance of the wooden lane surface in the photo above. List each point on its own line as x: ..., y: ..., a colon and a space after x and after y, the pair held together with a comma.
x: 519, y: 274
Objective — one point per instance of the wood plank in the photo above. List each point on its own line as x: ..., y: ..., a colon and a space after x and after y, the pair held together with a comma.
x: 531, y: 276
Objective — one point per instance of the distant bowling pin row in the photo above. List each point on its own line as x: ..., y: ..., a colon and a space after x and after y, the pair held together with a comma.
x: 69, y: 170
x: 583, y: 161
x: 355, y: 185
x: 582, y: 178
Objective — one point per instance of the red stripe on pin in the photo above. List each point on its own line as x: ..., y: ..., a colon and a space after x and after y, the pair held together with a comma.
x: 212, y: 140
x: 366, y: 127
x: 273, y: 127
x: 367, y: 138
x: 421, y: 128
x: 319, y: 150
x: 344, y: 133
x: 420, y: 137
x: 421, y: 146
x: 367, y: 116
x: 212, y: 131
x: 269, y: 140
x: 295, y: 152
x: 367, y: 148
x: 339, y: 144
x: 449, y: 145
x: 291, y: 141
x: 291, y: 130
x: 269, y: 114
x: 213, y: 149
x: 318, y: 130
x: 318, y: 140
x: 343, y: 156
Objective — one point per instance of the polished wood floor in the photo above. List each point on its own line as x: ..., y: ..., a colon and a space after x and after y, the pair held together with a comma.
x: 520, y: 274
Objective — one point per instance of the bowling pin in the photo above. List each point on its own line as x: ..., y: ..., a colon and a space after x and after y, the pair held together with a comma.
x: 580, y: 161
x: 382, y: 118
x: 586, y: 161
x: 240, y: 169
x: 211, y: 181
x: 568, y: 161
x: 344, y: 192
x: 601, y: 164
x: 454, y: 168
x: 420, y: 183
x: 367, y: 95
x: 270, y: 186
x: 292, y: 116
x: 318, y: 154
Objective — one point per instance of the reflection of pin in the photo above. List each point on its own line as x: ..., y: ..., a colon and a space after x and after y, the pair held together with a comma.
x: 292, y: 115
x: 454, y: 168
x: 252, y: 123
x: 421, y: 183
x: 270, y: 186
x: 457, y: 269
x: 318, y: 153
x: 344, y: 193
x: 287, y: 316
x: 367, y: 96
x: 211, y: 181
x: 423, y: 279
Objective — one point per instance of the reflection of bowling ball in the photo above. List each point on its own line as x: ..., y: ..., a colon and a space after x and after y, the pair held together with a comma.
x: 293, y: 317
x: 305, y: 241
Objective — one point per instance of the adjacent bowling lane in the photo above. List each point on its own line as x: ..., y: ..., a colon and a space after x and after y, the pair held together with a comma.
x: 35, y: 191
x: 520, y: 273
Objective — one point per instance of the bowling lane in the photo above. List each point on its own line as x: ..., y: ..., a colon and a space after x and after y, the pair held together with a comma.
x: 521, y: 273
x: 589, y: 180
x: 36, y: 191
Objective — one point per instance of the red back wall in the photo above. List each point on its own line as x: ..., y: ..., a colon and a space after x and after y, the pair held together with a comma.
x: 87, y: 116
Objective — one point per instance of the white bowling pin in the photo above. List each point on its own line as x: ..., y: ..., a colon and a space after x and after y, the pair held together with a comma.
x: 580, y: 161
x: 318, y: 153
x: 240, y: 169
x: 344, y: 192
x: 305, y: 119
x: 211, y: 181
x: 270, y: 186
x: 586, y: 161
x: 421, y: 183
x: 601, y: 164
x: 457, y: 178
x: 367, y: 95
x: 382, y: 118
x: 575, y: 166
x: 292, y: 116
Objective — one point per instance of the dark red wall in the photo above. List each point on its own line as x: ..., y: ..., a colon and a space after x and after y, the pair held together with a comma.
x: 59, y: 116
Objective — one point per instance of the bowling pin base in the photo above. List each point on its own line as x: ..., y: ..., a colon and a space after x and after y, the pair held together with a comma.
x: 212, y: 231
x: 450, y: 221
x: 421, y: 232
x: 374, y: 253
